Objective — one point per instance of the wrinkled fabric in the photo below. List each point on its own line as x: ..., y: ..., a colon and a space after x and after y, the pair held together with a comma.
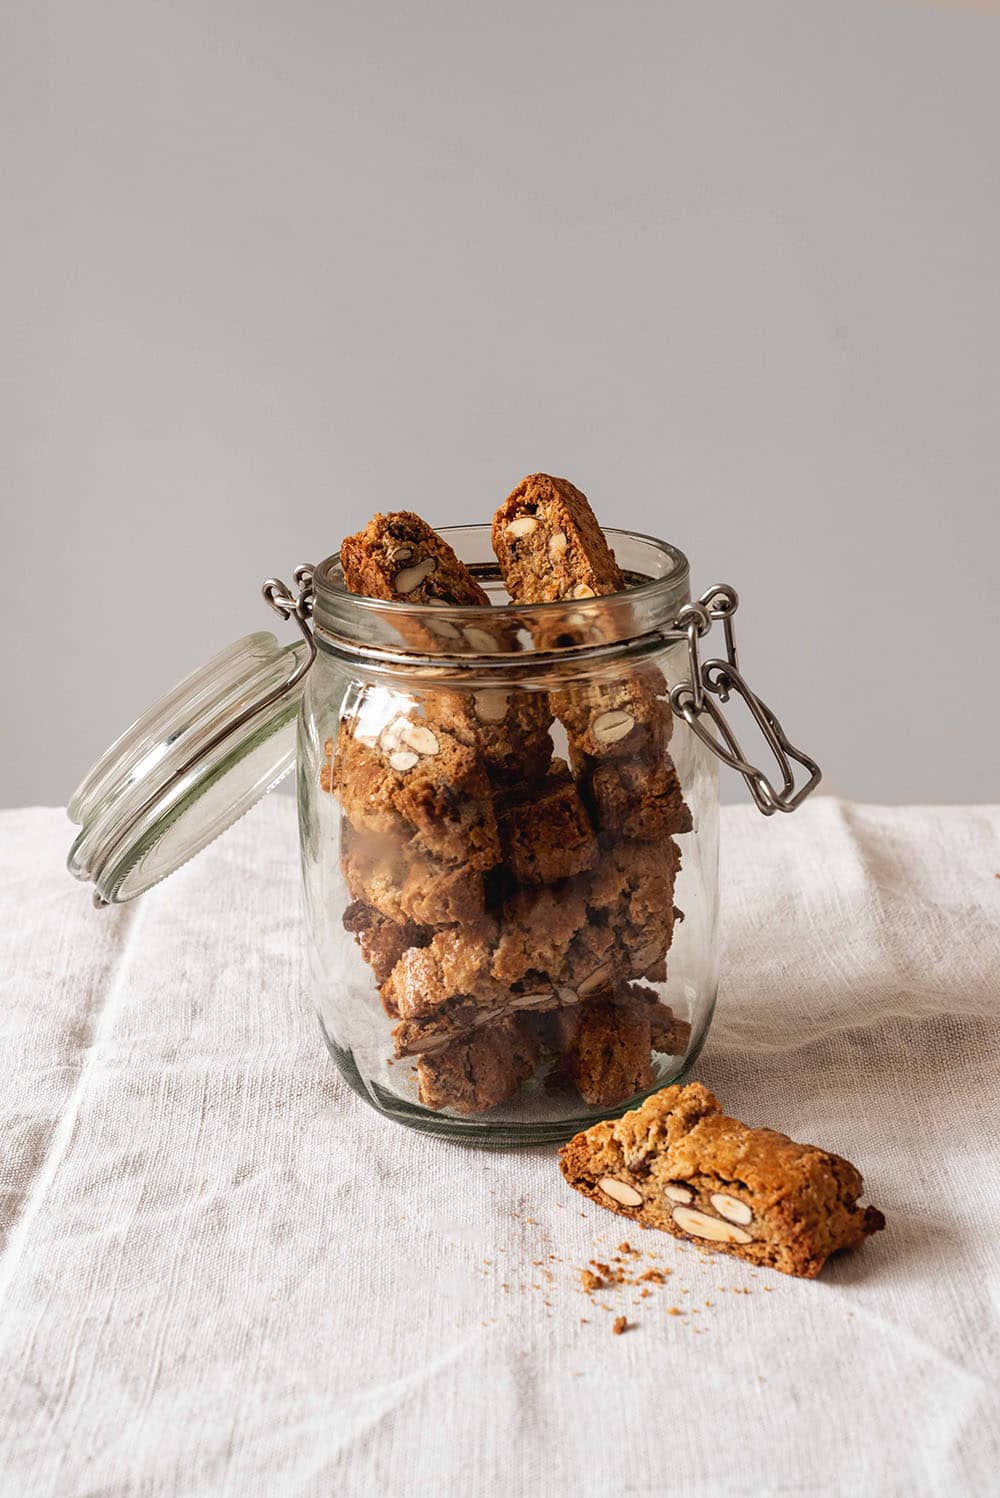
x: 221, y: 1273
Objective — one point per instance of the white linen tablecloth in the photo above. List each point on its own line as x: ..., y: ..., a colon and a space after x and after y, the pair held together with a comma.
x: 221, y: 1273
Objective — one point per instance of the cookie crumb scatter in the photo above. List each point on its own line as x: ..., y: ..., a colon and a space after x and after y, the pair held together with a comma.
x: 674, y: 1311
x: 590, y: 1281
x: 619, y: 1325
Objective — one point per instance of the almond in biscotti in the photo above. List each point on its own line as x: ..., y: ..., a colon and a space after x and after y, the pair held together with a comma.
x: 697, y: 1174
x: 626, y: 716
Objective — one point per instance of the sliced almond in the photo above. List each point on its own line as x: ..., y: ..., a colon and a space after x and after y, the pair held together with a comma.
x: 410, y: 578
x: 731, y: 1208
x: 581, y: 591
x: 403, y: 759
x: 679, y: 1193
x: 557, y: 544
x: 620, y: 1191
x: 443, y: 630
x: 401, y: 553
x: 419, y: 738
x: 597, y: 979
x: 389, y: 738
x: 521, y: 527
x: 608, y: 728
x: 491, y: 707
x: 481, y: 640
x: 700, y: 1225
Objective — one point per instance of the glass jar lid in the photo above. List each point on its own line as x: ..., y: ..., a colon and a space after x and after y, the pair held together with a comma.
x: 191, y: 766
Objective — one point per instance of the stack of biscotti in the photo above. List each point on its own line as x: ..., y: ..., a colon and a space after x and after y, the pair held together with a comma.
x: 504, y: 902
x: 550, y: 548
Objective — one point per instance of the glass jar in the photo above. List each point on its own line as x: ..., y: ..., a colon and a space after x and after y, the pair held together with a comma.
x: 508, y: 822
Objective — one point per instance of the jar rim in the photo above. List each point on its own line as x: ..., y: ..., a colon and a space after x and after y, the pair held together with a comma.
x: 659, y: 581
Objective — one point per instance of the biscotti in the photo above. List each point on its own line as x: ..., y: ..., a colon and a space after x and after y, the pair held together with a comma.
x: 630, y: 798
x: 549, y: 543
x: 545, y: 831
x: 382, y: 940
x: 420, y: 784
x: 679, y: 1164
x: 479, y: 1071
x: 399, y: 558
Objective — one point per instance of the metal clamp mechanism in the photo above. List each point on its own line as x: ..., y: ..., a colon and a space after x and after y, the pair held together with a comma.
x: 692, y: 700
x: 297, y: 606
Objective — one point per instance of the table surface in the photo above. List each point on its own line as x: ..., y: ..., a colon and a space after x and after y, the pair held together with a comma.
x: 220, y: 1273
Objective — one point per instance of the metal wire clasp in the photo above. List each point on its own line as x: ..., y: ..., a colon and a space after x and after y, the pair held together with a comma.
x: 298, y: 606
x: 693, y: 700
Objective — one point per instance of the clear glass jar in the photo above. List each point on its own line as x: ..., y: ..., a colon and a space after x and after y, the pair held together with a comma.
x: 493, y: 807
x: 509, y: 828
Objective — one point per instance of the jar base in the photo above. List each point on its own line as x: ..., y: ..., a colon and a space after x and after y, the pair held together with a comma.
x: 497, y: 1133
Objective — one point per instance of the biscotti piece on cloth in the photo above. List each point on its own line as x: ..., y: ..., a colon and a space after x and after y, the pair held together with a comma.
x: 679, y: 1164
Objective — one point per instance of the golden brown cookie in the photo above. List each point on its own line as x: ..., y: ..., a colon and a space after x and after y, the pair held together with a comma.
x: 549, y: 544
x: 679, y: 1164
x: 400, y: 559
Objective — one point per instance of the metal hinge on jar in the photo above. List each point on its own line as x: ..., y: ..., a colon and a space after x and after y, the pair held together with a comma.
x: 694, y: 701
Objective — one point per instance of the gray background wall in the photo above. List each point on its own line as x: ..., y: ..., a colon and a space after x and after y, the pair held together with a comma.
x: 731, y: 267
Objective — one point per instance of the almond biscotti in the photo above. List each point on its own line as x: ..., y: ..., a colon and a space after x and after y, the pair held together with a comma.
x: 679, y: 1164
